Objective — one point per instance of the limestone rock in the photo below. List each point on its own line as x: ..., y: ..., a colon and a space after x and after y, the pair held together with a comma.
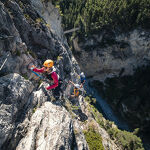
x: 81, y: 143
x: 14, y: 93
x: 51, y: 15
x: 50, y: 128
x: 12, y: 49
x: 128, y: 51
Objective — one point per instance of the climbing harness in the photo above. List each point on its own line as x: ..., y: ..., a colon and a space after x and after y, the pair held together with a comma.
x: 4, y: 62
x: 76, y: 92
x: 80, y: 91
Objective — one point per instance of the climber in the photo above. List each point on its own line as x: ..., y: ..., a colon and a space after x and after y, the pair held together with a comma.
x: 82, y: 79
x: 49, y: 71
x: 76, y: 89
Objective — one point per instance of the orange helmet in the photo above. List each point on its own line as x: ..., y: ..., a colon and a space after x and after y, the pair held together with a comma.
x: 48, y: 63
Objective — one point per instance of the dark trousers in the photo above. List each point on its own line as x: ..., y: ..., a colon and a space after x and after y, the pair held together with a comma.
x: 57, y: 91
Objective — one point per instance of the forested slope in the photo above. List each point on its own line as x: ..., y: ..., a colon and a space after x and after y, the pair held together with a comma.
x: 93, y: 15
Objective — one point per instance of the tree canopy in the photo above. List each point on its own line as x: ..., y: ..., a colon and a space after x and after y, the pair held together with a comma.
x: 93, y: 15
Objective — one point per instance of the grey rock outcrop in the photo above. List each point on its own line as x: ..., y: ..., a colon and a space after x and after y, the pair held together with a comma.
x: 9, y: 36
x: 81, y: 143
x: 33, y: 29
x: 100, y: 58
x: 51, y: 14
x: 14, y: 94
x: 50, y: 128
x: 12, y: 49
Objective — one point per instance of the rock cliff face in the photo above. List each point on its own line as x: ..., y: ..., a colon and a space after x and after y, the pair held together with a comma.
x: 31, y: 117
x: 109, y: 54
x: 50, y: 128
x: 14, y: 93
x: 51, y: 15
x: 122, y: 58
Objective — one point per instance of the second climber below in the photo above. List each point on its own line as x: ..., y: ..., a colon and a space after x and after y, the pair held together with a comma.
x: 49, y: 71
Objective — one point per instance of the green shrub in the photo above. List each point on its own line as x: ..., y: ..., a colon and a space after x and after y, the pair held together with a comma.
x: 90, y: 99
x: 97, y: 115
x: 39, y: 20
x: 128, y: 140
x: 27, y: 16
x: 34, y: 109
x: 59, y: 58
x: 32, y: 53
x: 73, y: 107
x: 21, y: 4
x: 25, y: 76
x: 136, y: 131
x: 48, y: 25
x: 40, y: 82
x: 93, y: 139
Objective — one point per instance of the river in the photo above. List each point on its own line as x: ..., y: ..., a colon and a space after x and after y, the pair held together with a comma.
x: 105, y: 109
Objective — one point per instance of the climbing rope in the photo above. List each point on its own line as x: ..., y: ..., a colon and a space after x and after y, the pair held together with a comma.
x: 4, y: 62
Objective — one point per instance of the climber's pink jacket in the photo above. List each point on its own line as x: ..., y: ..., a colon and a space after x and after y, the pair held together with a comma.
x: 53, y: 76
